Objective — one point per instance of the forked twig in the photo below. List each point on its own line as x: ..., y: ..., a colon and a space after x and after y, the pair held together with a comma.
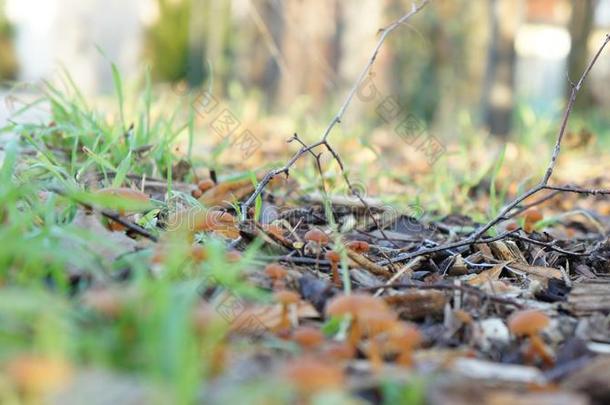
x: 506, y: 212
x: 543, y: 185
x: 337, y: 118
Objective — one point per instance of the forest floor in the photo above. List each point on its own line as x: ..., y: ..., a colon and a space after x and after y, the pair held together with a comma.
x: 130, y: 271
x: 143, y: 262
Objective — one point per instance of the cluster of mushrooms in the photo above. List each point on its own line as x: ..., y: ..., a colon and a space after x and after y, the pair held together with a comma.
x: 370, y: 325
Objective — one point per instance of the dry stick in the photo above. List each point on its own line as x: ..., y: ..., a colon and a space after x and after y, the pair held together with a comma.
x: 578, y: 190
x: 440, y: 248
x: 550, y: 245
x: 337, y: 118
x: 521, y: 209
x: 543, y: 185
x: 135, y: 228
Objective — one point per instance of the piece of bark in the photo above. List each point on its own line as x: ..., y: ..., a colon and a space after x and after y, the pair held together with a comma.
x: 417, y: 304
x: 589, y: 297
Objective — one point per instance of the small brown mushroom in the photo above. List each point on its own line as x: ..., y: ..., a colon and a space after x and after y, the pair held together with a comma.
x: 205, y: 185
x: 277, y: 273
x: 334, y: 259
x: 354, y: 305
x: 317, y: 236
x: 404, y: 339
x: 316, y: 240
x: 286, y: 299
x: 274, y: 230
x: 532, y: 216
x: 375, y: 322
x: 358, y: 246
x: 307, y: 337
x: 196, y: 193
x: 339, y: 351
x: 309, y: 376
x: 530, y: 323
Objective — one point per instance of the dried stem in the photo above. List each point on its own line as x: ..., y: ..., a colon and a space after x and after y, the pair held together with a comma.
x: 543, y: 185
x: 337, y: 118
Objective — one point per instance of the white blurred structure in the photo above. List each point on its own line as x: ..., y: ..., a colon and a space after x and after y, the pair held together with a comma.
x: 50, y: 33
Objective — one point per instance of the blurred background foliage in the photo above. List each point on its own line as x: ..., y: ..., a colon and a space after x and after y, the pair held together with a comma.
x: 8, y: 61
x: 486, y: 57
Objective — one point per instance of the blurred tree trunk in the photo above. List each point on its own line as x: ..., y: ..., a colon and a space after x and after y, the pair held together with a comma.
x: 258, y: 54
x: 309, y: 49
x: 581, y: 25
x: 218, y: 42
x: 196, y: 50
x: 498, y: 89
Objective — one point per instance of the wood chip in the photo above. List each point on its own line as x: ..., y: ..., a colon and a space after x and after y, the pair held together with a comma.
x: 358, y: 260
x: 589, y: 297
x: 417, y: 304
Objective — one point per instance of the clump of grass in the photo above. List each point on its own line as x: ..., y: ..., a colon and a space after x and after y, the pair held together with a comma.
x: 48, y: 259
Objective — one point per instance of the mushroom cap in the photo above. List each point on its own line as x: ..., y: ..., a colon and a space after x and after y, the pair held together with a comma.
x: 205, y: 185
x: 339, y: 351
x: 354, y: 304
x: 377, y: 320
x: 310, y: 375
x: 275, y: 271
x: 332, y: 256
x: 358, y: 246
x: 406, y: 336
x: 533, y: 215
x: 308, y: 337
x: 286, y: 297
x: 528, y: 322
x: 316, y: 235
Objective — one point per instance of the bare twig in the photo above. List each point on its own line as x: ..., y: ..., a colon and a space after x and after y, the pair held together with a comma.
x: 425, y: 251
x: 505, y: 213
x: 367, y: 68
x: 578, y: 190
x: 337, y: 118
x: 550, y: 245
x: 543, y: 185
x: 133, y: 227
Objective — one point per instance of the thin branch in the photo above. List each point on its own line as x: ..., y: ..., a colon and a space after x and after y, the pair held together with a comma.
x: 543, y: 185
x: 578, y: 190
x: 550, y: 245
x: 133, y: 227
x: 367, y: 68
x: 440, y: 248
x: 337, y: 118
